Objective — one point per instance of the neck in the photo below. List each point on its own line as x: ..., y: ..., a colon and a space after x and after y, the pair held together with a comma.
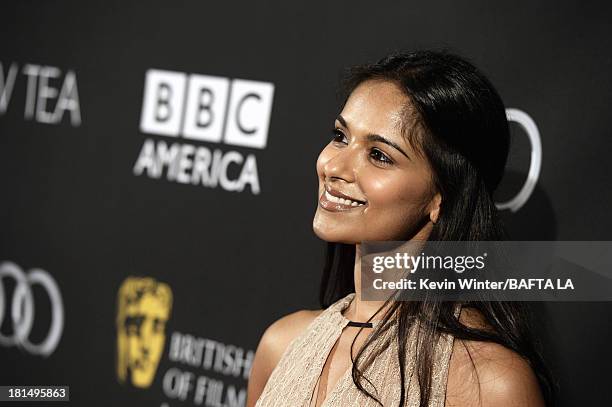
x: 361, y: 311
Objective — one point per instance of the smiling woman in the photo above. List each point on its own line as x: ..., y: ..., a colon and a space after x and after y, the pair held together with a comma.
x: 416, y: 152
x: 370, y: 160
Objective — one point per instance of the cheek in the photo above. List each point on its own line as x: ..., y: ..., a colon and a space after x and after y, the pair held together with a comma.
x: 393, y: 191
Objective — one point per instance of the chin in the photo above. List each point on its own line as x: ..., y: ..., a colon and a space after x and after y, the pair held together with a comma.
x: 331, y: 235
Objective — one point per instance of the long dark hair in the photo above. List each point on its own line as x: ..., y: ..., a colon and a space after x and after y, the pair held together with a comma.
x: 458, y: 121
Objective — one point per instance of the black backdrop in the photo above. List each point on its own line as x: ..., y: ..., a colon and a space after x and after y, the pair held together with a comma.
x: 73, y: 206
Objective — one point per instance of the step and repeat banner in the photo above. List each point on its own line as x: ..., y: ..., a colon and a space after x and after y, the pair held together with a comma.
x: 157, y: 175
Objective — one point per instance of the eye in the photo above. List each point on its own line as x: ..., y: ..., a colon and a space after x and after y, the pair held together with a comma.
x: 339, y: 136
x: 380, y: 157
x: 158, y: 325
x: 133, y: 324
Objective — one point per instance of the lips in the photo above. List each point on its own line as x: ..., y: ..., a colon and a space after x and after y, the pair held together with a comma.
x: 334, y: 200
x: 338, y: 194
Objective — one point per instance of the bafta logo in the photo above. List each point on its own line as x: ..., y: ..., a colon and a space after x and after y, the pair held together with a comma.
x: 143, y: 309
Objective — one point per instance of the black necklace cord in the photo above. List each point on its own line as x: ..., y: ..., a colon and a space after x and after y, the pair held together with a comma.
x: 360, y: 324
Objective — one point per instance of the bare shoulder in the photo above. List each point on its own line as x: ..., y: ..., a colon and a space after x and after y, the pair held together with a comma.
x: 488, y: 374
x: 272, y: 345
x: 279, y: 334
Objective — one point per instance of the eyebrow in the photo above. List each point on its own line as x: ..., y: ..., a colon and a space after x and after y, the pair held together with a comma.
x: 375, y: 137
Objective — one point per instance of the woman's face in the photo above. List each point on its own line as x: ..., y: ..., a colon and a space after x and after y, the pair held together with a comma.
x: 387, y: 187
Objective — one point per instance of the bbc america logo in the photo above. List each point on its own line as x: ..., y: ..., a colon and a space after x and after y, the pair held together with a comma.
x: 209, y: 109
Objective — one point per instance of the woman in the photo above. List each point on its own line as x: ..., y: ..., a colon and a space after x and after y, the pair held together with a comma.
x: 417, y: 151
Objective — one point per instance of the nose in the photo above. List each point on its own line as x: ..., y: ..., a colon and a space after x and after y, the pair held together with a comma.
x: 342, y: 164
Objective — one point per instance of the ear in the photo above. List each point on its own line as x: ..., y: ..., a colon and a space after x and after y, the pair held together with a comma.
x: 434, y: 208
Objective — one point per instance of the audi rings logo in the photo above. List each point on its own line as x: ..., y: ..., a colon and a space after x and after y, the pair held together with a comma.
x: 22, y: 309
x: 535, y: 163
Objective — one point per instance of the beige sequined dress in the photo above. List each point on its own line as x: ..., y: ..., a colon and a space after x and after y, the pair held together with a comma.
x: 295, y: 377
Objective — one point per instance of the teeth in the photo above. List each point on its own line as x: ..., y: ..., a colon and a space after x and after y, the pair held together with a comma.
x: 341, y: 201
